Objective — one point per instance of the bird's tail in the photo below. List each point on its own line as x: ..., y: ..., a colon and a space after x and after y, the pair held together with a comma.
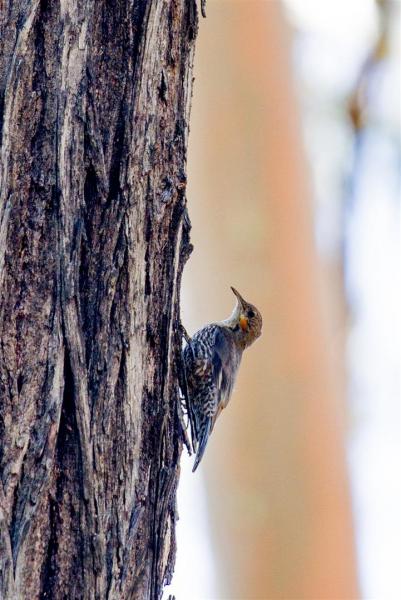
x: 202, y: 441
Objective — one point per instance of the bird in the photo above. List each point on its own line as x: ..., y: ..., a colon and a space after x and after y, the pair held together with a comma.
x: 211, y: 359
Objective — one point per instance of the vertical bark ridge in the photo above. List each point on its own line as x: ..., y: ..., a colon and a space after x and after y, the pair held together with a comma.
x: 94, y: 108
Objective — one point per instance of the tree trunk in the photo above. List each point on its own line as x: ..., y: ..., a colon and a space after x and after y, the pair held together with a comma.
x: 94, y: 114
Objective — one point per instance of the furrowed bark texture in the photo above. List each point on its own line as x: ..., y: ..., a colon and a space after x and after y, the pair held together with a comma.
x: 94, y: 108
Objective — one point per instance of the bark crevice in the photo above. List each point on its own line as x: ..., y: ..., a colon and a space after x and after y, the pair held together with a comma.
x: 62, y: 501
x: 94, y: 235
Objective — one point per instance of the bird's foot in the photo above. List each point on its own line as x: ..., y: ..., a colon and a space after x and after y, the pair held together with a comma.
x: 184, y: 334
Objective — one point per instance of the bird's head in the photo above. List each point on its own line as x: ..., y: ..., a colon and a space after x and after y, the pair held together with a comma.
x: 246, y: 321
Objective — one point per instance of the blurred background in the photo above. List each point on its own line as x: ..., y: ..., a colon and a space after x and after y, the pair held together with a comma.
x: 294, y: 195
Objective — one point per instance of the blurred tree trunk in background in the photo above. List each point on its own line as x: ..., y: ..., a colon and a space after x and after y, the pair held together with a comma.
x: 275, y: 465
x: 94, y: 121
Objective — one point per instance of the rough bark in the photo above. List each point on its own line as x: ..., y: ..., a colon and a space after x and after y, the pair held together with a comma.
x: 94, y: 107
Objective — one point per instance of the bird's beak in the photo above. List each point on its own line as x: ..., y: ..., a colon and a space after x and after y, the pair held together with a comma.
x: 240, y: 299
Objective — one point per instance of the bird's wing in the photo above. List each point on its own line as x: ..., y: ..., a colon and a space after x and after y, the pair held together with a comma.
x: 210, y: 377
x: 225, y: 366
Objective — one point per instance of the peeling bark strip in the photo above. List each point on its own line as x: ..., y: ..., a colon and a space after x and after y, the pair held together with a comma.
x: 94, y: 108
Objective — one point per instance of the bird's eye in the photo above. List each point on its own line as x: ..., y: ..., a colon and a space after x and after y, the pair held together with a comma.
x: 251, y: 314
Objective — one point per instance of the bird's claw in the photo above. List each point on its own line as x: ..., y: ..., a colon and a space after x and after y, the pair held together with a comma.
x: 184, y: 334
